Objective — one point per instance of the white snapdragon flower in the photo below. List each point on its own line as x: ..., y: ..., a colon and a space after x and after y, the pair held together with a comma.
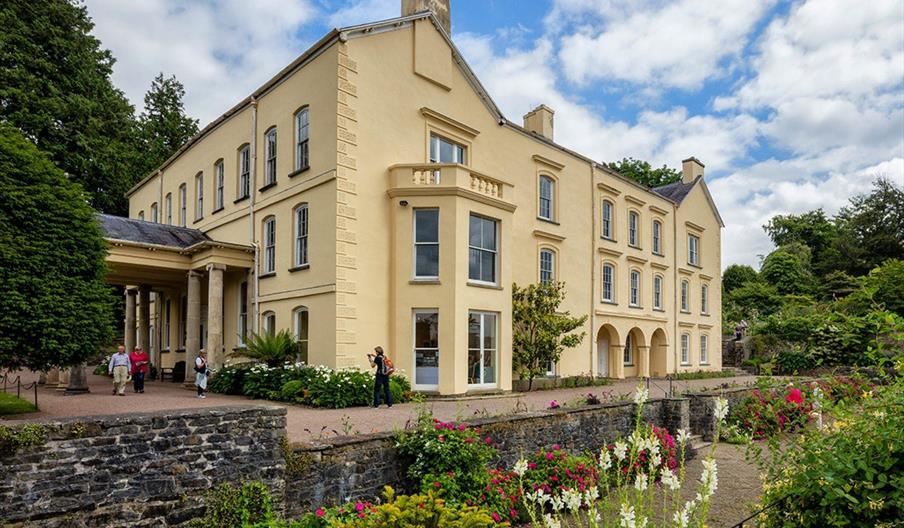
x: 641, y: 396
x: 605, y: 459
x: 551, y: 522
x: 709, y: 478
x: 556, y: 502
x: 670, y: 480
x: 655, y: 460
x: 627, y: 517
x: 683, y: 436
x: 681, y: 518
x: 572, y: 499
x: 721, y: 409
x: 521, y: 467
x: 640, y: 482
x: 590, y: 495
x: 620, y: 450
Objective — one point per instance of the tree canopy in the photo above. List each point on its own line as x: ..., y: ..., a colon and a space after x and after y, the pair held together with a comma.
x: 540, y: 332
x: 55, y: 309
x: 643, y: 173
x: 736, y: 275
x: 163, y: 126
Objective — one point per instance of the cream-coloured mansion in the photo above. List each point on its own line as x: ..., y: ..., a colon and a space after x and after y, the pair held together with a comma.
x: 371, y: 193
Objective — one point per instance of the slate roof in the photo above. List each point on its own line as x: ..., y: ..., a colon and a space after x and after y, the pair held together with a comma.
x: 675, y: 192
x: 141, y: 232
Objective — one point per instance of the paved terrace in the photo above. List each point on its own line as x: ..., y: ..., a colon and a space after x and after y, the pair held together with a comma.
x: 305, y: 423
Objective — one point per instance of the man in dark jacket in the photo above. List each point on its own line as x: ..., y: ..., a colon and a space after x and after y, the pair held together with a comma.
x: 382, y: 377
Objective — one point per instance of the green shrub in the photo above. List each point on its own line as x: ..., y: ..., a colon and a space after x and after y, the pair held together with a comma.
x: 399, y: 388
x: 793, y: 362
x: 292, y: 390
x: 703, y: 374
x: 229, y: 379
x: 228, y: 506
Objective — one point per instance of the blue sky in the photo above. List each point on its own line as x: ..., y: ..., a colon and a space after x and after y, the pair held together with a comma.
x: 791, y: 105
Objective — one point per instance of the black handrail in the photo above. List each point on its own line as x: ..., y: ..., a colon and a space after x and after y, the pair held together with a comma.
x: 759, y: 512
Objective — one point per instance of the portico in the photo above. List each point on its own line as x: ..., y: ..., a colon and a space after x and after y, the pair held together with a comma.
x: 175, y: 282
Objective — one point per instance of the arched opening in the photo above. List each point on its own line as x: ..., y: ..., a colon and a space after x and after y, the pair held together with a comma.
x: 658, y: 354
x: 607, y: 341
x: 634, y: 353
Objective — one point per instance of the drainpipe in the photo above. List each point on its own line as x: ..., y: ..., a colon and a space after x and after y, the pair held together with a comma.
x: 253, y: 191
x: 160, y: 196
x: 593, y: 343
x: 676, y: 288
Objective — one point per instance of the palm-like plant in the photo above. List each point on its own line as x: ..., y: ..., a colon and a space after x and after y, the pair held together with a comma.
x: 272, y: 349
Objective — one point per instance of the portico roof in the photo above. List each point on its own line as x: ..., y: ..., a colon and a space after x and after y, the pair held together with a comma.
x: 152, y: 233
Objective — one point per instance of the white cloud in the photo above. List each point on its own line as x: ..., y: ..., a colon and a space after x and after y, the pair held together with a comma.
x: 678, y: 44
x: 221, y: 52
x: 364, y: 11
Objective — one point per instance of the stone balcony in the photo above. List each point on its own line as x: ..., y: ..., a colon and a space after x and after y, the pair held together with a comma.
x: 424, y: 179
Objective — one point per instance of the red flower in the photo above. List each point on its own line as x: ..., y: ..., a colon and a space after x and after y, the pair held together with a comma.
x: 496, y: 517
x: 794, y: 396
x: 320, y: 512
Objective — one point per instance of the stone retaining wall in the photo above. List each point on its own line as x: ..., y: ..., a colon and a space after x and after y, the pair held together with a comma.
x: 359, y: 467
x: 138, y: 470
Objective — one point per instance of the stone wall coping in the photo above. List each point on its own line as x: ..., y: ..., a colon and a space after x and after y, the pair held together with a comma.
x: 734, y: 390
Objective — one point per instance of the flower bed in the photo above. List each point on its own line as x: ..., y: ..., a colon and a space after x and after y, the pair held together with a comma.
x: 317, y: 386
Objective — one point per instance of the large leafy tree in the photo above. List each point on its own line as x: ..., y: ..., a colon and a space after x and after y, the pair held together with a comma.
x: 55, y: 309
x: 55, y: 87
x: 784, y: 270
x: 643, y: 173
x: 872, y: 228
x: 163, y: 126
x: 736, y: 275
x: 540, y: 332
x: 813, y: 229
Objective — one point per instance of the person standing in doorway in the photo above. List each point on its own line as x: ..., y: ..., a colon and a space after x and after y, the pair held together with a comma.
x: 201, y: 373
x: 140, y: 367
x: 381, y: 379
x: 119, y: 368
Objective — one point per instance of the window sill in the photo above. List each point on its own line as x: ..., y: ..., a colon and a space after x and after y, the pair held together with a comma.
x: 424, y: 281
x: 217, y: 210
x: 267, y: 275
x: 299, y: 171
x: 548, y: 220
x: 197, y: 220
x: 704, y: 364
x: 165, y: 351
x: 705, y: 314
x: 698, y: 266
x: 299, y: 268
x: 658, y: 310
x: 628, y: 365
x: 241, y: 199
x: 635, y: 306
x: 610, y: 303
x: 685, y: 364
x: 659, y: 254
x: 608, y: 239
x: 635, y: 246
x: 685, y: 312
x: 485, y: 285
x: 266, y: 187
x: 181, y: 349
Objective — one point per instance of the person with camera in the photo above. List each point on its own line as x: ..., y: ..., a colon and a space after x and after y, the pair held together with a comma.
x: 381, y: 381
x: 201, y: 373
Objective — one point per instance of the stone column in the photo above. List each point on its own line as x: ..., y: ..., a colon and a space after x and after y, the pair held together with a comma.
x: 64, y: 380
x: 144, y: 319
x: 215, y: 315
x: 643, y: 366
x: 193, y: 326
x: 617, y: 367
x: 130, y: 319
x: 78, y: 380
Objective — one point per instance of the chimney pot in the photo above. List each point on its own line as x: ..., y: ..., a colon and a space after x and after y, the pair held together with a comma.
x: 440, y: 9
x: 691, y: 168
x: 540, y: 121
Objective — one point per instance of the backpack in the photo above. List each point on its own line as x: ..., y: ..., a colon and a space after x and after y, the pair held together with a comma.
x: 388, y: 367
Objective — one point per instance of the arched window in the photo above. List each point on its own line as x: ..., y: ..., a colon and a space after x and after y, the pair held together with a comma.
x: 301, y: 235
x: 635, y: 288
x: 270, y: 244
x: 300, y: 316
x: 154, y: 212
x: 633, y: 221
x: 302, y: 133
x: 547, y: 266
x: 704, y: 299
x: 607, y: 219
x: 608, y: 283
x: 684, y: 296
x: 657, y: 292
x: 244, y: 166
x: 270, y: 169
x: 628, y: 354
x: 657, y: 237
x: 141, y: 215
x: 704, y: 349
x: 183, y: 205
x: 685, y: 349
x: 268, y: 323
x: 547, y: 194
x: 168, y: 204
x: 199, y: 194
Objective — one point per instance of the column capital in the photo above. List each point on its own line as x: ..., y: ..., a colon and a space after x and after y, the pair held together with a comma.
x: 215, y: 266
x: 642, y: 347
x: 193, y: 273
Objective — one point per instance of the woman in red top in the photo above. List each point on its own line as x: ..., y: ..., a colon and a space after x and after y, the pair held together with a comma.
x: 140, y: 368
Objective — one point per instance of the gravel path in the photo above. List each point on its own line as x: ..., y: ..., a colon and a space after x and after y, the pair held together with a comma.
x: 739, y: 485
x: 305, y: 423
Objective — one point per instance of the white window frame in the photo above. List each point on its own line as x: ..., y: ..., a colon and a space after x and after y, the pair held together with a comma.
x: 483, y: 350
x: 693, y: 250
x: 633, y: 229
x: 302, y: 139
x: 657, y: 237
x: 244, y: 167
x: 270, y: 139
x: 302, y: 332
x: 481, y: 250
x: 219, y: 178
x: 415, y: 349
x: 268, y: 322
x: 704, y: 349
x: 183, y: 205
x: 610, y: 298
x: 199, y: 196
x: 459, y: 151
x: 685, y: 295
x: 302, y: 228
x: 628, y: 352
x: 657, y: 292
x: 168, y: 203
x: 269, y: 236
x: 548, y: 267
x: 154, y: 212
x: 685, y: 349
x: 549, y: 201
x: 242, y: 318
x: 417, y: 244
x: 606, y: 223
x: 634, y: 297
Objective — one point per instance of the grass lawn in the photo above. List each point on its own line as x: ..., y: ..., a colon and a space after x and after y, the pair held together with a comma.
x: 9, y: 404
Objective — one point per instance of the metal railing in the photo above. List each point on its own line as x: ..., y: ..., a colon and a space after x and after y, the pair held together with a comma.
x: 17, y: 383
x: 751, y: 520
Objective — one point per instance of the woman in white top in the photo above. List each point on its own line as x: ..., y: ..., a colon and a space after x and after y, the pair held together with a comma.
x: 201, y: 373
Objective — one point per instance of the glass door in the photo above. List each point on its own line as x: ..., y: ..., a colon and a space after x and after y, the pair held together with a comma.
x: 482, y: 348
x: 426, y: 350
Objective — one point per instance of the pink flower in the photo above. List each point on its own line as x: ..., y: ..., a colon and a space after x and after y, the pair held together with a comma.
x: 462, y: 427
x: 794, y: 396
x: 359, y: 507
x: 320, y: 512
x: 441, y: 438
x: 556, y: 447
x: 549, y: 456
x: 496, y: 517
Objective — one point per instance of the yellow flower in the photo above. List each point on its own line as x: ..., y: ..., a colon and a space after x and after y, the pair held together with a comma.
x: 876, y: 504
